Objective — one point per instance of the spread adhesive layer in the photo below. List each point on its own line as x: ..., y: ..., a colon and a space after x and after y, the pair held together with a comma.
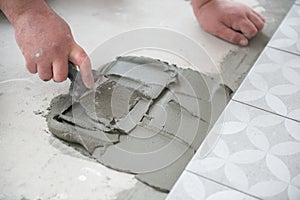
x: 148, y: 118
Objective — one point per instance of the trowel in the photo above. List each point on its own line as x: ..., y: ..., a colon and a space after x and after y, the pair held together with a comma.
x: 77, y: 88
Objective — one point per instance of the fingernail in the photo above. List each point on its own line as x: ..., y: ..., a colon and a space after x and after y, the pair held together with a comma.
x: 244, y: 42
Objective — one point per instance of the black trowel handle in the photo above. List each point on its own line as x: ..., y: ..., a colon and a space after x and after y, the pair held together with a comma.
x: 72, y: 71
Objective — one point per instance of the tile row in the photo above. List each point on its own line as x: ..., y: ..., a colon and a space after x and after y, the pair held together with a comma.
x: 273, y: 84
x: 253, y: 151
x: 287, y: 37
x: 193, y: 187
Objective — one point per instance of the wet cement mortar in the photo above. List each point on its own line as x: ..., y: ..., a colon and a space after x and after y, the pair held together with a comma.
x: 147, y: 118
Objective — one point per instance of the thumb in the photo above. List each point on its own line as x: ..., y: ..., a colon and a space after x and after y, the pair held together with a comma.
x: 81, y: 59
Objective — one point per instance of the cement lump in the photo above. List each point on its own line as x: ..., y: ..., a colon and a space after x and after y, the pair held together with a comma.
x: 148, y: 118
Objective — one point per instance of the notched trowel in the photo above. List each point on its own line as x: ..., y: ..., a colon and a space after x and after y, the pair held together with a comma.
x: 77, y: 88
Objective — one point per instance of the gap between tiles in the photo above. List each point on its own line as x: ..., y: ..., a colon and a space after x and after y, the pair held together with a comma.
x: 264, y: 110
x: 282, y: 50
x: 224, y: 185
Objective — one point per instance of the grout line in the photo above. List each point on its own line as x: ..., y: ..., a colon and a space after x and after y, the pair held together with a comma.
x: 266, y: 110
x: 227, y: 186
x: 285, y: 51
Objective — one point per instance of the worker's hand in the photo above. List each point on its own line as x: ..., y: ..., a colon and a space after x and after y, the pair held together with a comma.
x: 234, y: 22
x: 47, y: 44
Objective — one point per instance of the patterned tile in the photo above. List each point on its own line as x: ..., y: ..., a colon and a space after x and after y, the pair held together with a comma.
x: 192, y: 187
x: 273, y: 84
x: 287, y: 37
x: 253, y: 151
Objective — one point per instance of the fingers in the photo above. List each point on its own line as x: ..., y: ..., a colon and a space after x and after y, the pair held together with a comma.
x: 60, y: 70
x: 257, y: 20
x: 45, y: 71
x: 247, y: 28
x: 250, y: 25
x: 31, y: 66
x: 259, y: 15
x: 231, y: 35
x: 80, y: 58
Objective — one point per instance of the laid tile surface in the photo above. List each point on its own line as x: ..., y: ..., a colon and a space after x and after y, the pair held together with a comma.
x: 254, y: 151
x: 287, y: 37
x: 273, y: 84
x: 192, y: 187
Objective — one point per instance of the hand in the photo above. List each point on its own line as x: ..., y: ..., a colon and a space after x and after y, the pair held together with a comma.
x: 47, y: 44
x: 234, y: 22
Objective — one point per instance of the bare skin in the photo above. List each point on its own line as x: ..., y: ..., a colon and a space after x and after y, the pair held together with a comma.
x: 47, y: 44
x: 233, y: 22
x: 45, y: 40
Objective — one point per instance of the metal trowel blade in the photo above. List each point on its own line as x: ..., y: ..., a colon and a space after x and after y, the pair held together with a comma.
x: 77, y: 88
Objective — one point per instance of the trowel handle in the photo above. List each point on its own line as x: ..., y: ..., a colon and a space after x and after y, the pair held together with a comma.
x: 72, y: 71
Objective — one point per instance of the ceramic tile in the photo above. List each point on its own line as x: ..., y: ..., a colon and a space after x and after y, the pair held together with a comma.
x: 273, y: 84
x: 287, y: 37
x: 253, y: 151
x: 193, y: 187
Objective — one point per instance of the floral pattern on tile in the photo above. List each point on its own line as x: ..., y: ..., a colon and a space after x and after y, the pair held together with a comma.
x: 192, y: 187
x: 273, y: 84
x: 256, y: 152
x: 287, y: 37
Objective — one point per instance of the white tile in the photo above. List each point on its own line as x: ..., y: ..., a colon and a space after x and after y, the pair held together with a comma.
x: 273, y: 84
x: 253, y: 151
x: 192, y: 187
x: 287, y: 37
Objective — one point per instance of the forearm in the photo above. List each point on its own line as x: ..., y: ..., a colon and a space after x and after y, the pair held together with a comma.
x: 14, y: 9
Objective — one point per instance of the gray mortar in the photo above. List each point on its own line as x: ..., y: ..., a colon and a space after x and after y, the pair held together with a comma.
x: 148, y: 118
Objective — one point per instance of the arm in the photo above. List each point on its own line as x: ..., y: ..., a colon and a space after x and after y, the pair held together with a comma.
x: 233, y: 22
x: 45, y: 40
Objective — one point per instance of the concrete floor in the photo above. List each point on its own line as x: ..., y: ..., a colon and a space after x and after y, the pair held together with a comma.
x: 34, y: 164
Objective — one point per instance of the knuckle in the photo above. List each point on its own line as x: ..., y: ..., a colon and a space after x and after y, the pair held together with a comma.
x: 80, y: 53
x: 82, y: 56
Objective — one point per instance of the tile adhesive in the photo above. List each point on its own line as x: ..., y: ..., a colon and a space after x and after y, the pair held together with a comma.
x: 147, y: 118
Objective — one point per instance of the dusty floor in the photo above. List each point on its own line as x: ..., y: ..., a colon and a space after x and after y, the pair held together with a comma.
x: 34, y: 164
